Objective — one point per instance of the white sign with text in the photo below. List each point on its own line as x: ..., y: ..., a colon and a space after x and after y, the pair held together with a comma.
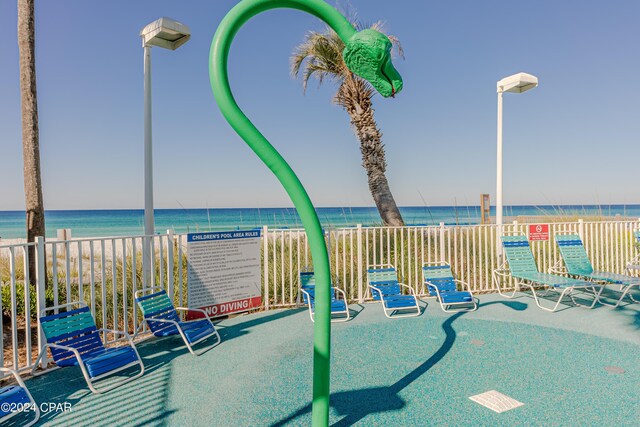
x: 224, y: 271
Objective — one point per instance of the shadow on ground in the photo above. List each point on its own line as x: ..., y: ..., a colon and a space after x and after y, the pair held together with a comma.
x: 239, y: 328
x: 354, y: 405
x: 146, y: 397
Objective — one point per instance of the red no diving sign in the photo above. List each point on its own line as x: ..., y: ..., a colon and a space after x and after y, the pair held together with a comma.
x: 538, y: 232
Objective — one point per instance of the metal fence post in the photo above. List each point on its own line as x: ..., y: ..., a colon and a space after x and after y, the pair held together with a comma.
x: 265, y: 263
x: 170, y: 243
x: 359, y: 250
x: 442, y: 233
x: 581, y: 229
x: 41, y: 285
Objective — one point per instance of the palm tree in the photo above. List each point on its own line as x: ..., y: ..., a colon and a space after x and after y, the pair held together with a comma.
x: 320, y: 55
x: 30, y: 138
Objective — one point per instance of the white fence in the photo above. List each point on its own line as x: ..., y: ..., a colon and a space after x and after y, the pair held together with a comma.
x: 105, y: 273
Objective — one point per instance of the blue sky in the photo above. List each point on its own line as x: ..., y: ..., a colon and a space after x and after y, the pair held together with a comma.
x: 574, y: 139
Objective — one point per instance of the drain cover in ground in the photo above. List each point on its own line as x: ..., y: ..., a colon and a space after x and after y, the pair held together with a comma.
x: 496, y: 401
x: 614, y: 369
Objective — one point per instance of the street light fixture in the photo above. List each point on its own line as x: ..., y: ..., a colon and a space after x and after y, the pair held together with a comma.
x: 168, y: 34
x: 516, y: 83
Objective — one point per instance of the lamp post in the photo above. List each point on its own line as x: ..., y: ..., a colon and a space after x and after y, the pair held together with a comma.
x: 516, y: 83
x: 168, y: 34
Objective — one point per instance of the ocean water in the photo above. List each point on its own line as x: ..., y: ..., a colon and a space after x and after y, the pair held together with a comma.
x: 101, y: 223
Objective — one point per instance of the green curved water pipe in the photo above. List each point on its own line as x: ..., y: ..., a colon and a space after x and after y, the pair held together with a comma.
x: 368, y: 54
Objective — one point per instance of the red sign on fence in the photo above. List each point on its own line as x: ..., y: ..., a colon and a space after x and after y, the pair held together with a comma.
x: 538, y: 232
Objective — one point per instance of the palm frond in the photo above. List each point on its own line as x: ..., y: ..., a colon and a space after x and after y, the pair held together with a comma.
x: 319, y: 55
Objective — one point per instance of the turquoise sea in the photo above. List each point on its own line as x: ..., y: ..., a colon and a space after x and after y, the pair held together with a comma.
x: 100, y: 223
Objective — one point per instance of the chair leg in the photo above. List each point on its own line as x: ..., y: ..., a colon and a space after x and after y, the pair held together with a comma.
x: 596, y: 297
x: 32, y: 402
x: 190, y: 345
x: 535, y: 297
x: 626, y: 292
x: 390, y: 315
x: 496, y: 281
x: 40, y: 356
x: 135, y: 334
x: 447, y: 307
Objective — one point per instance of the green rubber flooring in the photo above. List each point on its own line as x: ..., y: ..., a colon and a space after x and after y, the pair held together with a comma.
x: 576, y: 367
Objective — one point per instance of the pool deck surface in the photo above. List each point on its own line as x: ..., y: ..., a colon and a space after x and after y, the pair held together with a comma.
x: 576, y: 367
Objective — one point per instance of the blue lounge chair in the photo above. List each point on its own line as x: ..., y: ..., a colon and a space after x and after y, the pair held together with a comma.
x: 438, y: 278
x: 74, y: 340
x: 163, y: 319
x: 577, y: 264
x: 382, y: 280
x: 14, y: 398
x: 338, y: 305
x: 522, y: 267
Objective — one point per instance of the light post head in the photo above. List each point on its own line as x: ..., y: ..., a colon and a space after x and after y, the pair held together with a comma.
x: 517, y: 83
x: 166, y: 33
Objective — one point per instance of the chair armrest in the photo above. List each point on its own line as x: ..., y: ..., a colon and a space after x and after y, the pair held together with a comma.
x: 67, y: 348
x: 557, y: 270
x: 305, y: 292
x: 464, y: 284
x: 375, y: 288
x: 63, y: 347
x: 408, y: 287
x: 634, y: 263
x: 340, y: 291
x: 502, y: 271
x: 16, y: 376
x: 115, y: 332
x: 152, y: 319
x: 193, y: 309
x: 206, y: 316
x: 431, y: 285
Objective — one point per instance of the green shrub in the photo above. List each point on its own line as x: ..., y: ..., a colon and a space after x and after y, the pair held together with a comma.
x: 20, y: 304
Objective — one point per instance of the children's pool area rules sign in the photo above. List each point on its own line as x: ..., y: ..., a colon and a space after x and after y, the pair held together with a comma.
x: 224, y: 271
x: 538, y: 232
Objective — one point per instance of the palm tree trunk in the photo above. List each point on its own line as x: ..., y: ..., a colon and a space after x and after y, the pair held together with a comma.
x: 373, y: 160
x: 30, y: 138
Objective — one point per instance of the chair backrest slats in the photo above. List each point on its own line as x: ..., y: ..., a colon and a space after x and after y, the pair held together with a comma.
x: 308, y: 283
x: 574, y: 254
x: 73, y: 328
x: 440, y: 276
x: 307, y: 278
x: 157, y: 306
x: 385, y: 279
x: 519, y: 255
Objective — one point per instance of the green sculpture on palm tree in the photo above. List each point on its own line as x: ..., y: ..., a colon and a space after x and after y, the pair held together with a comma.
x: 367, y: 54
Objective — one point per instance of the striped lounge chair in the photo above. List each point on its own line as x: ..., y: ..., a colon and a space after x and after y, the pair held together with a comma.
x: 339, y: 309
x: 14, y: 398
x: 522, y: 267
x: 440, y: 283
x: 163, y: 319
x: 382, y: 280
x: 74, y: 340
x: 577, y: 264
